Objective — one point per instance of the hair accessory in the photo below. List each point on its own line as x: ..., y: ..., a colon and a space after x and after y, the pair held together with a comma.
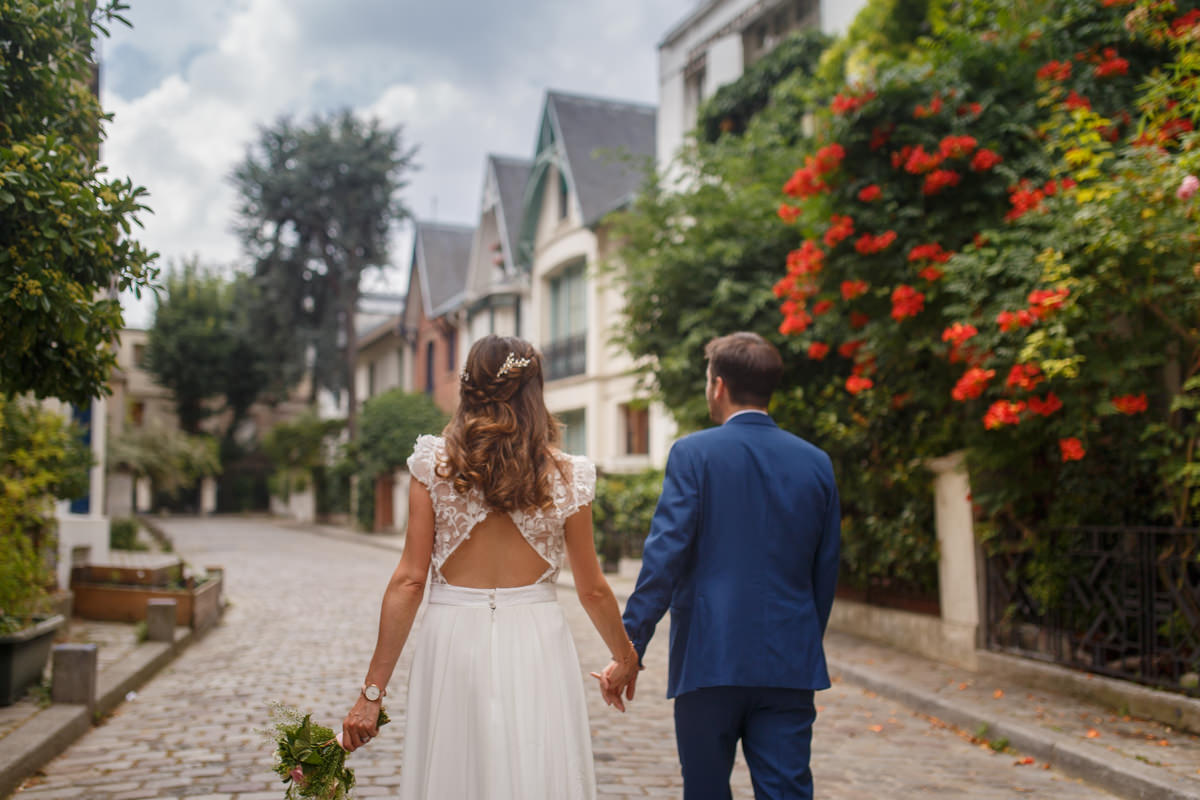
x: 512, y: 362
x: 464, y: 376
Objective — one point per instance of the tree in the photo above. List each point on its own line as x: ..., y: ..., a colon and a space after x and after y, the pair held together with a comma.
x: 170, y: 458
x: 298, y: 447
x: 317, y: 205
x: 391, y: 423
x: 203, y: 346
x: 65, y: 225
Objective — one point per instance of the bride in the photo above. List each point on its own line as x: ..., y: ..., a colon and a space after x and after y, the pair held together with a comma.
x: 495, y: 696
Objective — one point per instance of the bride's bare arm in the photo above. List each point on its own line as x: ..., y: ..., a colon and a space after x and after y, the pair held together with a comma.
x: 597, y: 598
x: 401, y: 600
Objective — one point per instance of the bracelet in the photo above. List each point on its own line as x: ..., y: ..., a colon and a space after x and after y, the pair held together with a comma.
x: 630, y: 655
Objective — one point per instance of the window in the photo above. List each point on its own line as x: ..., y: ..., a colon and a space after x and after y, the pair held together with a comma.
x: 137, y: 413
x: 429, y: 367
x: 564, y: 196
x: 635, y: 419
x: 371, y: 379
x: 451, y: 350
x: 693, y: 94
x: 139, y: 356
x: 574, y: 438
x: 566, y: 350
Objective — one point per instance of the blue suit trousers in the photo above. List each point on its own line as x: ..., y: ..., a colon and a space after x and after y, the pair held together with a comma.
x: 775, y: 726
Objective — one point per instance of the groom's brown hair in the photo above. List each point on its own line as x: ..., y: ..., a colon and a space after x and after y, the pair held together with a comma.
x: 750, y: 366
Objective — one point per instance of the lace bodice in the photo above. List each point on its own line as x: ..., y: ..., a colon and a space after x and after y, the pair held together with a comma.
x: 456, y: 515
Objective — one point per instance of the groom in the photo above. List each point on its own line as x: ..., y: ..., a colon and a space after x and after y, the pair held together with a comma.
x: 743, y: 549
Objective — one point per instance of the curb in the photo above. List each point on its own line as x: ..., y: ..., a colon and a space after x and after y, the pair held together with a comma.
x: 49, y: 732
x: 1132, y: 780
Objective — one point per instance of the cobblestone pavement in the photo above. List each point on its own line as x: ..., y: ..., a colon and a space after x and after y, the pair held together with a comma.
x: 301, y: 628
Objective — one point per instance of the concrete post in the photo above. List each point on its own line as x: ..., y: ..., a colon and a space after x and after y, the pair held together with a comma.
x: 160, y: 620
x: 143, y: 492
x: 208, y: 496
x: 958, y: 585
x: 73, y: 674
x: 217, y: 573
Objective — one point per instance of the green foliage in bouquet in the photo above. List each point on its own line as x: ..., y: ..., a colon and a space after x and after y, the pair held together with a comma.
x: 304, y: 748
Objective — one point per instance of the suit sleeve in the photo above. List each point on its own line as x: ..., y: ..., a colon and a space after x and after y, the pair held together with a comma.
x: 667, y: 547
x: 825, y: 565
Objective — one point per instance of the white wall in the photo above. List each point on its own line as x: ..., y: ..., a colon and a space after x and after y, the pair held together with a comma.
x: 836, y: 15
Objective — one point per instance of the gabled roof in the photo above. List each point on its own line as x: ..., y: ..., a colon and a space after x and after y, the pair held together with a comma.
x: 587, y: 125
x: 511, y: 175
x: 441, y: 255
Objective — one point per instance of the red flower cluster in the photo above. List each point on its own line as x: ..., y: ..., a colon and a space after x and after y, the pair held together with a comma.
x: 1024, y: 376
x: 906, y: 302
x: 857, y: 383
x: 818, y: 350
x: 868, y: 244
x: 929, y: 252
x: 1071, y: 449
x: 931, y: 273
x: 858, y: 320
x: 984, y: 160
x: 957, y: 146
x: 870, y: 194
x: 849, y: 349
x: 845, y: 103
x: 915, y: 160
x: 808, y: 180
x: 1130, y: 403
x: 1043, y: 301
x: 795, y: 322
x: 940, y: 179
x: 1183, y: 24
x: 788, y: 213
x: 1112, y: 64
x: 841, y: 227
x: 1001, y: 413
x: 1011, y: 320
x: 808, y: 260
x: 1076, y: 101
x: 852, y: 289
x: 972, y: 383
x: 969, y: 108
x: 822, y: 307
x: 1025, y: 197
x: 935, y: 105
x: 1055, y: 71
x: 958, y: 333
x: 1045, y: 407
x: 1111, y: 3
x: 880, y: 136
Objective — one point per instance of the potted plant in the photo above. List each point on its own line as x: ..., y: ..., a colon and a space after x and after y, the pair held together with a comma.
x: 41, y: 457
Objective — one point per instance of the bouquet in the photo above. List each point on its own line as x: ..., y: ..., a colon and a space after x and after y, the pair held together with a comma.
x: 309, y: 757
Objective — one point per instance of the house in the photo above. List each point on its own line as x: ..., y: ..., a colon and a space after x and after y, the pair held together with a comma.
x: 437, y: 288
x: 497, y: 289
x: 717, y: 42
x: 382, y: 360
x: 589, y: 160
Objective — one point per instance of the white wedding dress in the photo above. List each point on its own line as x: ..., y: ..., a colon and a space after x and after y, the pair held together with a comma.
x: 495, y: 695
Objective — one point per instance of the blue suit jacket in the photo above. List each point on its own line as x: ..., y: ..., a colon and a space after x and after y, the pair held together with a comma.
x: 743, y: 549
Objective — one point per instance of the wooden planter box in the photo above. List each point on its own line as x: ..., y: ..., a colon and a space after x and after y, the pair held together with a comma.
x: 197, y: 608
x: 23, y: 657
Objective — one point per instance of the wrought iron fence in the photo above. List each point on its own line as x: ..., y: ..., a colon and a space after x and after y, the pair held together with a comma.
x: 566, y: 357
x: 1123, y: 602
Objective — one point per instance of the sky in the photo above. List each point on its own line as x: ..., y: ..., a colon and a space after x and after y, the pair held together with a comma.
x: 192, y: 83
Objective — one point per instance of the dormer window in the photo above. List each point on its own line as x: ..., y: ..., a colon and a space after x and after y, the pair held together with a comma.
x: 563, y: 196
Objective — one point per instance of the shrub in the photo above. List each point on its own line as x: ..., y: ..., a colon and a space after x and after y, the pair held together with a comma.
x: 123, y: 534
x: 622, y: 511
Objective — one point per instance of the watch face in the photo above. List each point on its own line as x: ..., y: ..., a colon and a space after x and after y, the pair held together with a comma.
x: 371, y: 693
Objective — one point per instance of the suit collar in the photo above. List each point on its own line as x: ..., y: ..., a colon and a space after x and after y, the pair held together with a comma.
x: 751, y: 419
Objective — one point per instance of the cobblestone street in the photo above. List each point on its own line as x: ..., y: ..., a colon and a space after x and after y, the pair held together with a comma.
x: 300, y: 629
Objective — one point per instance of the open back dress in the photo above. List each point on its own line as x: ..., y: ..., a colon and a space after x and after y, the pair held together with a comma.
x: 495, y: 694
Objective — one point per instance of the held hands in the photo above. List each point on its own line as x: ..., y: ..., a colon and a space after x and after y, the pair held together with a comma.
x: 360, y: 725
x: 619, y: 677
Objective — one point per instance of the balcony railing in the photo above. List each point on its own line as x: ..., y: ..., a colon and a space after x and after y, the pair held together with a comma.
x: 566, y: 357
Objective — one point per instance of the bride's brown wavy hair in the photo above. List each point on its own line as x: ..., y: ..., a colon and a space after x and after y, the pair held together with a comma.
x: 501, y: 437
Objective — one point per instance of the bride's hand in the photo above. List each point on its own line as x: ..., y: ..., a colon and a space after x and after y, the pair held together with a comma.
x: 359, y: 726
x: 620, y: 676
